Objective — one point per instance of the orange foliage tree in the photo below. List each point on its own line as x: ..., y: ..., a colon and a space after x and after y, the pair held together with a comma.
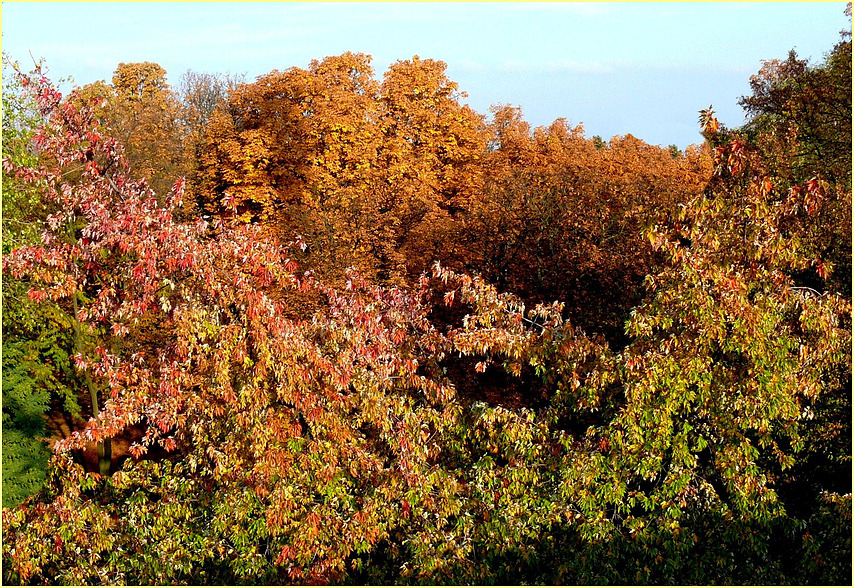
x: 365, y: 172
x: 562, y: 219
x: 141, y: 110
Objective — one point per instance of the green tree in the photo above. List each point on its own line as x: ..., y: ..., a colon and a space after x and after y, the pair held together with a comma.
x: 37, y: 372
x: 800, y: 116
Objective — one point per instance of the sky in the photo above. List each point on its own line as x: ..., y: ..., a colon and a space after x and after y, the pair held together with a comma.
x: 617, y: 68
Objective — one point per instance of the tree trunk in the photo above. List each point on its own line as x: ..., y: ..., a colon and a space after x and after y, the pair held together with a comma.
x: 104, y: 448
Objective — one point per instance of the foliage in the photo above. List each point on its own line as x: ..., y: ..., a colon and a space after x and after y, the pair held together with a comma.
x: 562, y: 219
x: 24, y: 455
x: 371, y: 175
x: 142, y: 111
x: 241, y: 391
x: 390, y: 177
x: 302, y: 424
x: 37, y: 375
x: 801, y: 118
x: 36, y: 364
x: 22, y: 209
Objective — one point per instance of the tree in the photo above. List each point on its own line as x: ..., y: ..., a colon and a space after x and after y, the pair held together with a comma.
x: 432, y: 156
x: 142, y: 111
x: 729, y: 361
x: 314, y: 428
x: 801, y: 117
x: 293, y: 152
x: 37, y: 370
x: 335, y: 446
x: 369, y: 174
x: 562, y: 218
x: 201, y: 94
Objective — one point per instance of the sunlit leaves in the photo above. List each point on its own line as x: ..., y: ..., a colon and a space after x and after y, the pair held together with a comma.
x: 300, y: 423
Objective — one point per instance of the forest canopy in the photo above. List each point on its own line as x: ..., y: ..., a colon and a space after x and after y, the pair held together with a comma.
x: 322, y: 327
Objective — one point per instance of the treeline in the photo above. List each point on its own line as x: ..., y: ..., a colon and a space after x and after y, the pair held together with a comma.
x: 331, y: 328
x: 389, y: 177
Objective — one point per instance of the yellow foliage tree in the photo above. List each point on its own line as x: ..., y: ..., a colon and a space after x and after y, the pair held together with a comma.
x: 371, y: 176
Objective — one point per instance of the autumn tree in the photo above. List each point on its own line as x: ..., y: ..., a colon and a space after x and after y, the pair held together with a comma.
x: 142, y: 111
x: 800, y: 115
x: 285, y: 150
x: 432, y: 160
x: 693, y: 454
x: 734, y: 358
x: 366, y: 172
x: 324, y: 430
x: 562, y: 218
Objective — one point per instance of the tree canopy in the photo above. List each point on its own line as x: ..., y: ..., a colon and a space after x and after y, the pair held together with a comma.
x: 377, y: 337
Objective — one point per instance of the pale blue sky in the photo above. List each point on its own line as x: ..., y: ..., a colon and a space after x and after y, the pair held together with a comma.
x: 638, y: 68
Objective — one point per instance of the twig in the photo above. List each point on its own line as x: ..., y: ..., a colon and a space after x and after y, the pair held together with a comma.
x: 805, y: 288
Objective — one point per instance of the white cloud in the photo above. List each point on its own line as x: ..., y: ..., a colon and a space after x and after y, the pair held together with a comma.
x: 517, y: 65
x: 468, y: 65
x: 579, y: 67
